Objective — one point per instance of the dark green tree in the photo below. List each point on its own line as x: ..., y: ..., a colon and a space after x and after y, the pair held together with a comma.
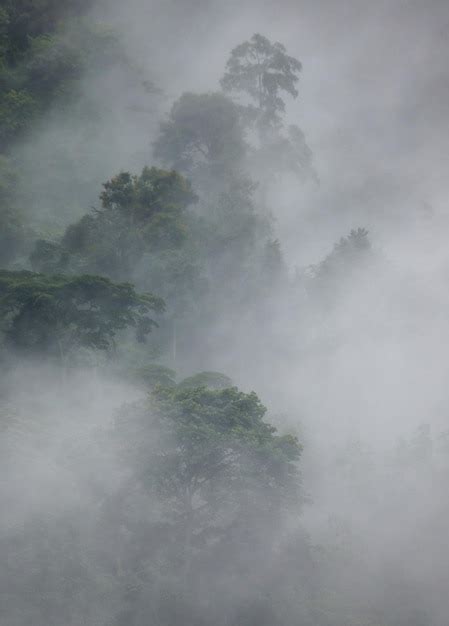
x: 45, y: 49
x: 142, y: 233
x: 18, y: 109
x: 56, y: 315
x: 210, y: 380
x: 138, y: 215
x: 24, y: 20
x: 141, y: 198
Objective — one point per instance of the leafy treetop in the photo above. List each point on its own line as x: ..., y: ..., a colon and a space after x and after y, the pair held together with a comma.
x: 57, y: 314
x: 201, y: 128
x: 205, y: 450
x: 139, y: 214
x: 211, y: 380
x: 141, y: 197
x: 262, y: 70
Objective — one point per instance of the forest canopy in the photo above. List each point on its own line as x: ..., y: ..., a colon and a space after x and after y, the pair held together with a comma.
x: 176, y: 391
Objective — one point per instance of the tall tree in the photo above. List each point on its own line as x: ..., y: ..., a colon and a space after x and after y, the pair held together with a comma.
x: 263, y: 71
x: 138, y: 215
x: 205, y: 450
x: 219, y: 478
x: 201, y: 129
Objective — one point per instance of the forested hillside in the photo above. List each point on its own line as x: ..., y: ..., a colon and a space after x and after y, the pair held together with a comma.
x: 179, y: 401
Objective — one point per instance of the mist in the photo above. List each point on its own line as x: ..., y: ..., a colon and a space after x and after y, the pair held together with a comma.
x: 141, y: 481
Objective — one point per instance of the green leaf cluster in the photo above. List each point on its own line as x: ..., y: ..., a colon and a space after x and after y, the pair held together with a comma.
x: 58, y: 314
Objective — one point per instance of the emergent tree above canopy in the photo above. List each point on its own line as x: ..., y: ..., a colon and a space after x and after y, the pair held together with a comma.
x: 263, y: 71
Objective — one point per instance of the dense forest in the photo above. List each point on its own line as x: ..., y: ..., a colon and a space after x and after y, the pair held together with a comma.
x: 180, y: 404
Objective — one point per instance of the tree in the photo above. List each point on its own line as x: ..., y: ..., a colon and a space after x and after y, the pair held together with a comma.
x: 332, y: 280
x: 138, y: 215
x: 263, y: 71
x: 282, y: 153
x: 211, y: 457
x: 55, y: 315
x: 142, y: 233
x: 12, y: 229
x: 211, y: 380
x: 218, y: 478
x: 44, y: 52
x: 24, y: 20
x: 230, y: 232
x: 201, y: 129
x: 12, y: 235
x: 346, y: 256
x: 17, y: 109
x: 141, y: 198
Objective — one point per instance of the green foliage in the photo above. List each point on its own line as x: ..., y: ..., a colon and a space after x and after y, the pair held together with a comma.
x: 12, y: 230
x: 230, y: 231
x: 47, y: 257
x: 201, y: 129
x: 45, y: 48
x: 79, y: 237
x: 218, y: 479
x: 211, y: 458
x: 57, y: 314
x: 12, y: 235
x: 211, y: 380
x: 155, y: 192
x: 4, y: 43
x: 348, y: 258
x: 284, y: 152
x: 207, y: 424
x: 207, y: 479
x: 50, y: 62
x: 143, y: 234
x: 24, y: 20
x: 263, y: 71
x: 139, y: 215
x: 176, y: 273
x: 8, y: 178
x: 17, y: 109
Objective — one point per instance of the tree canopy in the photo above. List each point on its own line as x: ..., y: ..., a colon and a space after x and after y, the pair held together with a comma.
x: 211, y: 457
x: 201, y: 128
x: 138, y: 215
x: 152, y: 490
x: 57, y: 314
x: 263, y: 71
